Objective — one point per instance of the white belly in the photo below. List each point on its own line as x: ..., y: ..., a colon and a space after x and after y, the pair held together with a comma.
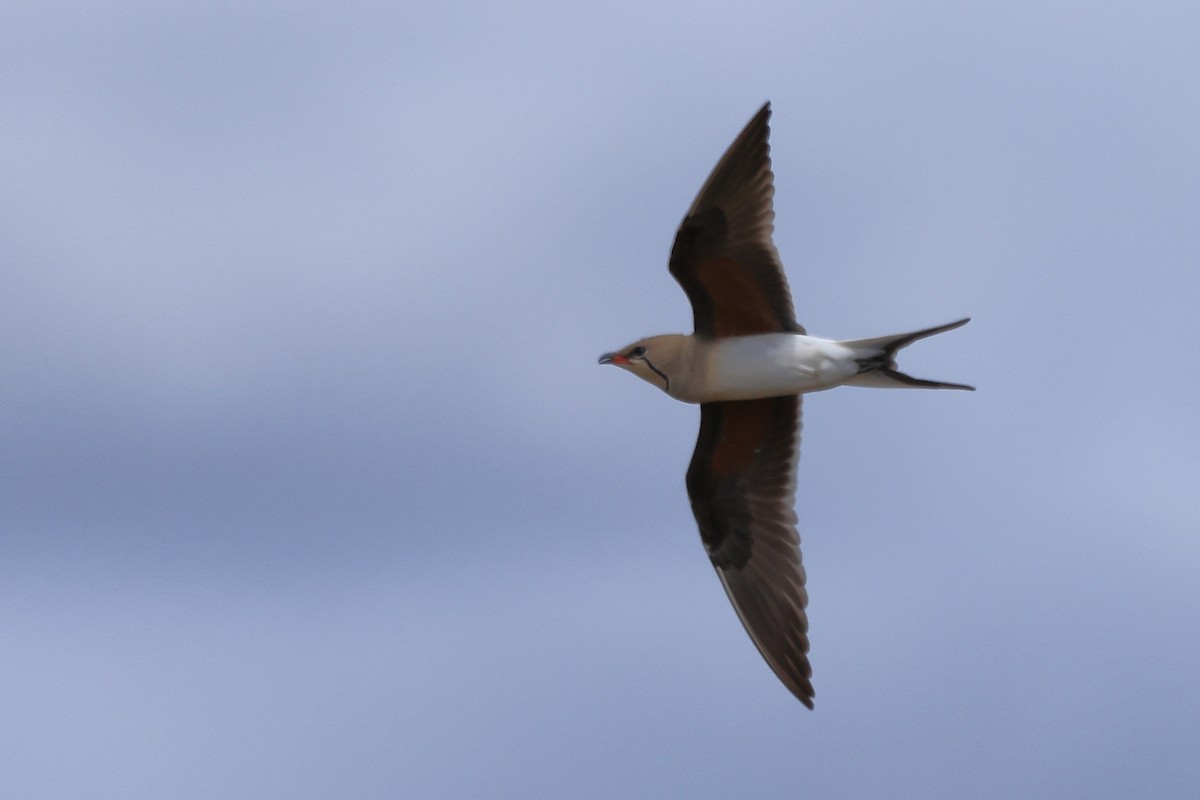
x: 773, y: 364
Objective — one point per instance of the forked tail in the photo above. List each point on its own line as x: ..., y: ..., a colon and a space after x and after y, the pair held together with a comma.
x: 877, y: 364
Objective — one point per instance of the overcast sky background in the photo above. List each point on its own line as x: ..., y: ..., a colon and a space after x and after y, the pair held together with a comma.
x: 310, y: 485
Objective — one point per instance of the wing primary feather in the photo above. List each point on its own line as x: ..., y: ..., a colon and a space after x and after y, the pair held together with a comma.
x: 741, y: 484
x: 724, y: 256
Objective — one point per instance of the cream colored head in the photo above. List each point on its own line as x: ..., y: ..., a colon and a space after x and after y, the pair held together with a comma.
x: 661, y: 361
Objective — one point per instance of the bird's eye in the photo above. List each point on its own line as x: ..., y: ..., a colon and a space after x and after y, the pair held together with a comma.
x: 637, y: 352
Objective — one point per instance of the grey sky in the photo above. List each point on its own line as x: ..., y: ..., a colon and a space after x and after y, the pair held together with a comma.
x: 310, y: 485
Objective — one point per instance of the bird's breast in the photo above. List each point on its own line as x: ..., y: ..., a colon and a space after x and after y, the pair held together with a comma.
x: 773, y: 364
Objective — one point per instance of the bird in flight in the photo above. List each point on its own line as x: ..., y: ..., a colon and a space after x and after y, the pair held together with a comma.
x: 747, y: 365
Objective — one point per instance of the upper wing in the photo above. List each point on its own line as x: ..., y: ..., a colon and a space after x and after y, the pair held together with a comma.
x: 723, y: 255
x: 742, y: 484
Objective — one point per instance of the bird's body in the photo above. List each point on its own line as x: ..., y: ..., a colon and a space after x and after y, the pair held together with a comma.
x: 748, y: 364
x: 773, y: 364
x: 698, y: 370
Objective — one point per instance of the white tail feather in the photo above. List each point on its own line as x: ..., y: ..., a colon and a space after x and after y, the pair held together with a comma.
x: 878, y: 360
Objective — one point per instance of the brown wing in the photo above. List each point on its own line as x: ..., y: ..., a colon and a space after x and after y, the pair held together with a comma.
x: 742, y: 484
x: 723, y: 256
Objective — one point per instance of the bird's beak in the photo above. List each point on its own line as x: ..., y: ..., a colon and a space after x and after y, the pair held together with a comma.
x: 614, y: 358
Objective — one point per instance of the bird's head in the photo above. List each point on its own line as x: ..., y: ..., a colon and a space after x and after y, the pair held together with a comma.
x: 654, y: 360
